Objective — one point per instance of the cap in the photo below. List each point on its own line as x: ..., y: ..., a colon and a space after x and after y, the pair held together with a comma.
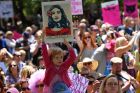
x: 111, y: 46
x: 26, y: 34
x: 12, y: 90
x: 116, y: 60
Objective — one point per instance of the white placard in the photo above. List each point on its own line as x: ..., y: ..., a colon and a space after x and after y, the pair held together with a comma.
x: 6, y: 9
x: 57, y: 21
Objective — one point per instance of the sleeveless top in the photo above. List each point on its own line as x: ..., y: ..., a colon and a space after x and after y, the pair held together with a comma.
x: 86, y: 53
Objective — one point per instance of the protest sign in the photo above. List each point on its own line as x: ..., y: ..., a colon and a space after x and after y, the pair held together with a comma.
x: 111, y: 13
x: 57, y: 21
x: 79, y: 83
x: 76, y: 7
x: 6, y: 9
x: 131, y: 8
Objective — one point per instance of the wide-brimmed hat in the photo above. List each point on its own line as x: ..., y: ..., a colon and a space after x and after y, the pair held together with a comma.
x: 94, y: 64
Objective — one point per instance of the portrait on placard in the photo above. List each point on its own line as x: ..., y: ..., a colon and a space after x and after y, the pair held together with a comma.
x: 57, y: 20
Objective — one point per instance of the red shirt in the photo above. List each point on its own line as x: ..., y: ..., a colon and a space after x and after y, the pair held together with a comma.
x: 63, y: 31
x: 51, y: 71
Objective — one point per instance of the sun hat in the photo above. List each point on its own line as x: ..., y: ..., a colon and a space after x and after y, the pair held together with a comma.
x: 87, y: 60
x: 111, y: 46
x: 116, y: 60
x: 12, y: 90
x: 60, y: 87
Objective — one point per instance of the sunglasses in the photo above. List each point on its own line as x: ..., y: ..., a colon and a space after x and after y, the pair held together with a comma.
x: 88, y: 63
x: 25, y: 88
x: 39, y: 85
x: 87, y: 37
x: 13, y: 65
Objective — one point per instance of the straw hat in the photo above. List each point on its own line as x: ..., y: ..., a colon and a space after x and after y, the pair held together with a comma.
x: 87, y: 60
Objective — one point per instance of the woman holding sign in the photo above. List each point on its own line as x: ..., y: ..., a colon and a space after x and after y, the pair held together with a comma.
x: 58, y: 24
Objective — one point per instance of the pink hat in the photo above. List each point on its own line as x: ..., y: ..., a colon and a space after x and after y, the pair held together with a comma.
x: 12, y: 90
x: 111, y: 46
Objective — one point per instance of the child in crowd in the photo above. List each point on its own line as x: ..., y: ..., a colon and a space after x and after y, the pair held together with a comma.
x: 56, y: 68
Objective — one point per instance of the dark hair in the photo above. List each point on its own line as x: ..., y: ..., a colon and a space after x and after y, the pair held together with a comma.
x: 9, y: 66
x: 64, y: 22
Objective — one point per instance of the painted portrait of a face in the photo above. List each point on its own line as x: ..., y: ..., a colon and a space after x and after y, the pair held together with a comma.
x: 56, y: 14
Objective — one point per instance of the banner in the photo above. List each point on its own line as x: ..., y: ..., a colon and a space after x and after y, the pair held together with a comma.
x: 111, y: 13
x: 57, y: 21
x: 79, y: 83
x: 131, y: 8
x: 6, y: 9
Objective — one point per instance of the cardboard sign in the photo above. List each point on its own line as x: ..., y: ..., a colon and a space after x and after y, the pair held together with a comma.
x: 79, y: 83
x: 111, y: 13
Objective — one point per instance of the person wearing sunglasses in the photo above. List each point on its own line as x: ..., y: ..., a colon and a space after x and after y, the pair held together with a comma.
x: 12, y: 75
x: 86, y: 45
x: 25, y: 86
x: 39, y: 87
x: 36, y: 81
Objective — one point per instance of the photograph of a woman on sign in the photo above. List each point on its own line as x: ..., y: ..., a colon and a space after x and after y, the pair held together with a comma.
x: 58, y: 23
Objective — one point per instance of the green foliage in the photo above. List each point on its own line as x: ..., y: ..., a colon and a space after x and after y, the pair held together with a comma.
x: 31, y: 7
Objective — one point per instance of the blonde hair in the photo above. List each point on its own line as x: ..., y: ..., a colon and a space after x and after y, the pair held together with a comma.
x: 8, y: 33
x: 53, y: 51
x: 127, y: 20
x: 23, y: 52
x: 102, y: 87
x: 119, y: 41
x: 26, y: 71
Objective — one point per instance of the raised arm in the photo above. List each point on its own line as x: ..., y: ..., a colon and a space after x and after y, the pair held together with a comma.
x: 45, y: 52
x: 122, y: 49
x: 72, y: 56
x: 78, y: 40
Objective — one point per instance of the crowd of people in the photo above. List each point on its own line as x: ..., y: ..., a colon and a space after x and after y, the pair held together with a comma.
x: 107, y: 56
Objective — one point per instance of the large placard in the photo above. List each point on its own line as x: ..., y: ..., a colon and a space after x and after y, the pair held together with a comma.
x: 111, y: 13
x: 57, y: 21
x: 131, y: 8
